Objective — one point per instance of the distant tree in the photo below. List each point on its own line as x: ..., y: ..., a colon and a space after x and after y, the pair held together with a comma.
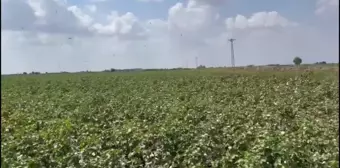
x: 274, y: 65
x: 322, y: 62
x: 297, y: 60
x: 112, y: 70
x: 201, y: 67
x: 25, y: 73
x: 35, y: 73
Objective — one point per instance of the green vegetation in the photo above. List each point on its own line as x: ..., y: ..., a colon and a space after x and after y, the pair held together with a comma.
x: 297, y: 60
x: 188, y: 118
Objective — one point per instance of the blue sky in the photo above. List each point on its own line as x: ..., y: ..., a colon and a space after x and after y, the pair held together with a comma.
x: 135, y: 33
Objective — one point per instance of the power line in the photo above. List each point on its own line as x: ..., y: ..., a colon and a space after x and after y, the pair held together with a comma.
x: 196, y: 61
x: 232, y: 52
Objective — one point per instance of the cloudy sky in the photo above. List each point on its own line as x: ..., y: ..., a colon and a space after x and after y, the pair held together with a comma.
x: 76, y: 35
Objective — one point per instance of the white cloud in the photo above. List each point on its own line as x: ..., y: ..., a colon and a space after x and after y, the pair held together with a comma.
x: 50, y: 16
x: 151, y: 0
x: 191, y: 24
x: 215, y: 3
x: 259, y: 20
x: 16, y: 14
x: 327, y: 6
x: 38, y: 9
x: 86, y: 20
x: 126, y: 25
x: 98, y: 1
x: 91, y: 8
x: 36, y: 36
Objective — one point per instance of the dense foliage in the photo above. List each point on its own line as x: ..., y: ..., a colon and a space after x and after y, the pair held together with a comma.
x: 169, y: 121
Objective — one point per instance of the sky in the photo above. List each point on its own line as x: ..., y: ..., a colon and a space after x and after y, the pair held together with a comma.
x: 94, y: 35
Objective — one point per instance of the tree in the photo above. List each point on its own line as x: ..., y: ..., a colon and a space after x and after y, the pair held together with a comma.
x: 35, y: 73
x: 322, y: 62
x: 201, y: 67
x: 297, y: 60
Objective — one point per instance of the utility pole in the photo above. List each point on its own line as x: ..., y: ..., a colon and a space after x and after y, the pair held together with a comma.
x: 196, y: 61
x: 86, y: 65
x: 232, y: 52
x: 59, y: 67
